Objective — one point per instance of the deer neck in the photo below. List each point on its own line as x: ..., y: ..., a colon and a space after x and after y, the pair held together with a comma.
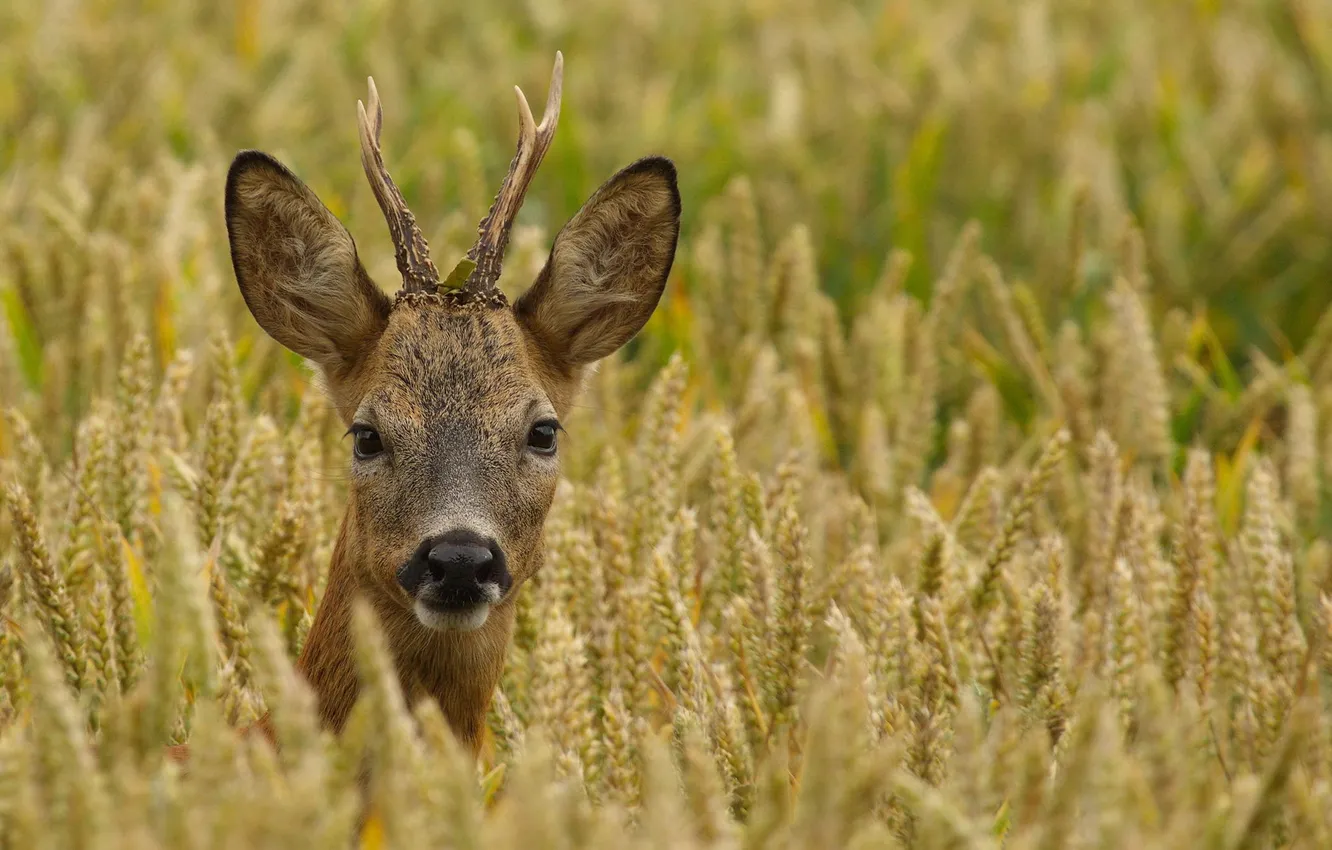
x: 459, y: 670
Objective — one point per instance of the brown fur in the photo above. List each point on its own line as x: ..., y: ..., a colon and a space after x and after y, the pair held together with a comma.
x: 452, y: 386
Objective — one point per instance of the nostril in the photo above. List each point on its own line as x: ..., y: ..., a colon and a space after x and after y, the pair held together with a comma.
x: 491, y: 570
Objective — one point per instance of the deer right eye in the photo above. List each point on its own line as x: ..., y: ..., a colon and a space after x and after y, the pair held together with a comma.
x: 541, y: 439
x: 366, y: 443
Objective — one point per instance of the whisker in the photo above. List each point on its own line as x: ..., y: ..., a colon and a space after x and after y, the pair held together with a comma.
x: 327, y: 474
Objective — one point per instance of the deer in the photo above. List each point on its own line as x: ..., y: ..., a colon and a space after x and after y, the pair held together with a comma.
x: 453, y: 398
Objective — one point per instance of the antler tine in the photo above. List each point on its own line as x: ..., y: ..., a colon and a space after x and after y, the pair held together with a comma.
x: 409, y: 245
x: 492, y: 236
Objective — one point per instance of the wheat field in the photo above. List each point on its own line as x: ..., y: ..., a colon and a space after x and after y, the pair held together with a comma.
x: 967, y: 490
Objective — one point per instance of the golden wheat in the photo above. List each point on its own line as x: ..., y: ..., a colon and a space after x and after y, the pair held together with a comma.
x: 966, y: 490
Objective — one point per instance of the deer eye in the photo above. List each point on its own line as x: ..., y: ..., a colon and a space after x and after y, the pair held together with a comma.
x: 541, y: 439
x: 366, y: 442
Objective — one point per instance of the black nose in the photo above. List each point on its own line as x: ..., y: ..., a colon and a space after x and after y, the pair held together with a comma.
x: 447, y: 560
x: 456, y: 570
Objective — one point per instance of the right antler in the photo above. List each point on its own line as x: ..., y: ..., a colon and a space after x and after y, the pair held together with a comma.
x: 492, y: 236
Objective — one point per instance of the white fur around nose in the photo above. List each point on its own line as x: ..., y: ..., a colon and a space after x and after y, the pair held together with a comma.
x: 466, y: 620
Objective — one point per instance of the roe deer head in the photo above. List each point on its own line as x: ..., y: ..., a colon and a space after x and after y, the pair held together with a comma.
x: 452, y: 397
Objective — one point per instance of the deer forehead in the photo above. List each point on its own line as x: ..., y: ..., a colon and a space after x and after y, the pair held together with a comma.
x: 439, y: 364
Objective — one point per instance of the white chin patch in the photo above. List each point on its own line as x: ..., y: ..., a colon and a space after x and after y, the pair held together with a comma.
x: 463, y: 620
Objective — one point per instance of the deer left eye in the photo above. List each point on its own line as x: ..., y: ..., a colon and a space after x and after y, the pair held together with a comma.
x: 366, y: 443
x: 541, y: 439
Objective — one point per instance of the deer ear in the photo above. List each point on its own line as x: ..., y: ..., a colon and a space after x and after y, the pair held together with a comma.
x: 297, y: 267
x: 608, y: 266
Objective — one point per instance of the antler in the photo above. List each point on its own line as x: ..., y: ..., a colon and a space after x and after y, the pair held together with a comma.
x: 409, y: 245
x: 492, y: 236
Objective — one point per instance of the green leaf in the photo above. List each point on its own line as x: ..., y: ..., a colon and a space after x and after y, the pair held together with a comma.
x: 1003, y: 819
x: 459, y: 275
x: 491, y: 783
x: 25, y: 338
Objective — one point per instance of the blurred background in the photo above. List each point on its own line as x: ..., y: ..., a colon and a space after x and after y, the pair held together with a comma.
x: 827, y: 134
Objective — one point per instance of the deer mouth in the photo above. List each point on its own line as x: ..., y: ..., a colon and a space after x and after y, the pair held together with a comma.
x: 462, y: 609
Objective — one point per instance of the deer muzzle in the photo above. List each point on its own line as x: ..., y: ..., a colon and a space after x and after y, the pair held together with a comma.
x: 454, y: 579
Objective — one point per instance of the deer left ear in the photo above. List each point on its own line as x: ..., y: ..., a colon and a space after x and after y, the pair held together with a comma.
x: 608, y: 266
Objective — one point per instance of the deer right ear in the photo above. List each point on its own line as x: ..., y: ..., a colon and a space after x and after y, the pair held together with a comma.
x: 608, y: 266
x: 297, y: 267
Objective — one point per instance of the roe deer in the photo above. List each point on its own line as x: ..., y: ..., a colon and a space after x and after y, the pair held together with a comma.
x: 452, y: 397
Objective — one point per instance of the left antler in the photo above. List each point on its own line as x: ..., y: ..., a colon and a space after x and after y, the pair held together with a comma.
x: 409, y: 245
